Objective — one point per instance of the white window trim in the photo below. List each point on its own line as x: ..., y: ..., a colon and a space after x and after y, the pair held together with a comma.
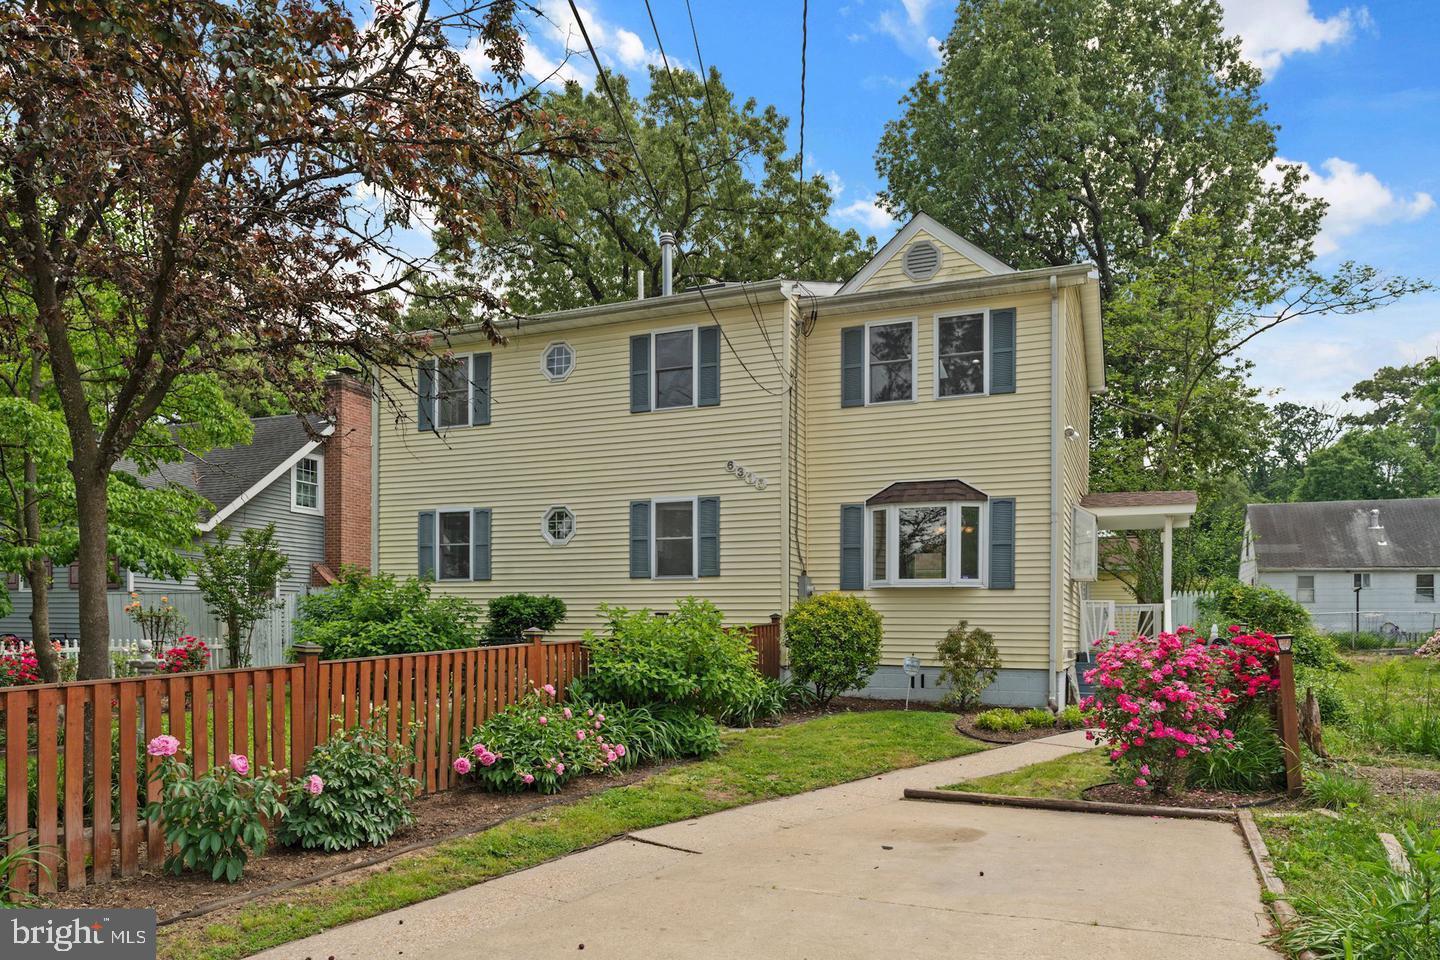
x: 914, y: 360
x: 469, y: 513
x: 545, y: 361
x: 1300, y: 587
x: 694, y: 330
x: 319, y: 509
x: 694, y: 538
x: 984, y: 313
x: 952, y: 545
x: 1419, y: 598
x: 469, y: 359
x: 545, y: 525
x: 1364, y: 579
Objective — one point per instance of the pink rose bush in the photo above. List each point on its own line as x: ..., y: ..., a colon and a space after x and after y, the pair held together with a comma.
x: 537, y: 744
x: 1160, y: 701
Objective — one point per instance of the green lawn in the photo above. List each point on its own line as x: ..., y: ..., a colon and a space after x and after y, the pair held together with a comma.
x: 758, y: 764
x: 1394, y: 707
x: 1062, y: 778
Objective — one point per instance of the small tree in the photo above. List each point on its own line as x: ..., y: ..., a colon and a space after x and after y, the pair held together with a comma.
x: 834, y: 643
x: 969, y: 662
x: 238, y: 583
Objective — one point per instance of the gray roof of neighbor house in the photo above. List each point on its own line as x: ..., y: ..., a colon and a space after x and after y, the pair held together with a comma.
x: 1339, y: 535
x: 225, y: 473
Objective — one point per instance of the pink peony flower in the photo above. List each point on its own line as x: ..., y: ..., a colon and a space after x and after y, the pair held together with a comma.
x: 163, y: 746
x: 590, y: 713
x: 560, y: 769
x: 568, y: 714
x: 544, y: 720
x: 479, y: 750
x: 239, y: 763
x: 579, y: 734
x: 314, y: 785
x: 597, y: 724
x: 549, y: 688
x: 620, y: 749
x: 527, y: 778
x: 461, y: 765
x: 487, y: 759
x: 600, y: 717
x: 611, y: 756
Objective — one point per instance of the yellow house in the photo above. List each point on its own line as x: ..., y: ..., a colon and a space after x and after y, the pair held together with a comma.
x: 917, y: 435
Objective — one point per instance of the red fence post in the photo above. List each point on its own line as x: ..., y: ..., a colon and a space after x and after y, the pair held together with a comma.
x: 307, y: 723
x: 535, y: 664
x: 1289, y: 716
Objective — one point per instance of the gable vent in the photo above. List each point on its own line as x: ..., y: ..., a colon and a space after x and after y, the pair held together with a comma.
x: 922, y: 260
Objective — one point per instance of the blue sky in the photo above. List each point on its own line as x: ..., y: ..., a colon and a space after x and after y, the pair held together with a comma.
x: 1354, y: 89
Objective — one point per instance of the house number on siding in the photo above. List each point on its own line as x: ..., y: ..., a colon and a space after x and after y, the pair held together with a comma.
x: 759, y: 483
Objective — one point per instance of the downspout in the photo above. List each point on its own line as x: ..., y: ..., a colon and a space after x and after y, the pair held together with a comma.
x: 1057, y: 683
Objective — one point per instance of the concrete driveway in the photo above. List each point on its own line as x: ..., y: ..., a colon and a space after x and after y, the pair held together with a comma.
x: 853, y: 871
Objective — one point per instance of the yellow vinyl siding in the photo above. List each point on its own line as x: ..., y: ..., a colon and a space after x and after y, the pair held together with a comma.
x: 999, y: 443
x: 576, y: 443
x: 1110, y: 587
x: 954, y: 265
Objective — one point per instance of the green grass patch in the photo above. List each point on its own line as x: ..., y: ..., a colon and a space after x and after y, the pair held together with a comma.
x: 1061, y: 778
x: 755, y: 765
x: 1393, y: 706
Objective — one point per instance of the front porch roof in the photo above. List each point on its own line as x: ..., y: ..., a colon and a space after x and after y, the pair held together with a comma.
x: 1141, y: 509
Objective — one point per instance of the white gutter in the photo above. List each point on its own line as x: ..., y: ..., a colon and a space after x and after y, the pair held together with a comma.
x: 1057, y: 682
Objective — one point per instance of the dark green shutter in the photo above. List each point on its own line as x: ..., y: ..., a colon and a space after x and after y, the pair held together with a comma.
x: 852, y: 546
x: 852, y: 367
x: 640, y: 373
x: 640, y: 539
x: 480, y: 544
x: 1002, y: 350
x: 425, y: 544
x: 1002, y: 543
x: 709, y: 392
x: 425, y: 394
x: 480, y: 389
x: 709, y: 524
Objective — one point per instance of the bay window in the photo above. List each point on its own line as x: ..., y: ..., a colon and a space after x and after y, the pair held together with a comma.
x: 928, y: 544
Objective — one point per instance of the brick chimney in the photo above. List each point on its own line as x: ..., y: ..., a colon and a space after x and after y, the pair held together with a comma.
x: 347, y: 477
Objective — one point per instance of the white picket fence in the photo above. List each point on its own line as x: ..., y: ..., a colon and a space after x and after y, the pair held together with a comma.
x: 267, y: 648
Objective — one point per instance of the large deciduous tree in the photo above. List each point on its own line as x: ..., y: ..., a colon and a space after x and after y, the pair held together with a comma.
x: 727, y: 188
x: 233, y: 176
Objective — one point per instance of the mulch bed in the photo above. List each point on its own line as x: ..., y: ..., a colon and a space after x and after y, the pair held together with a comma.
x: 438, y: 816
x: 1399, y: 781
x: 965, y: 724
x: 1197, y: 799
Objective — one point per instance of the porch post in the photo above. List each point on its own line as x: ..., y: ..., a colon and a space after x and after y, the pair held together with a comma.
x: 1167, y: 541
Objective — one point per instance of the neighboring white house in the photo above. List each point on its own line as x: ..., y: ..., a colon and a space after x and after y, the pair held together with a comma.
x: 1365, y: 565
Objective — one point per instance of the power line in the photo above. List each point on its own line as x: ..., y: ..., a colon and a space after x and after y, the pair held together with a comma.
x: 804, y: 43
x: 645, y: 175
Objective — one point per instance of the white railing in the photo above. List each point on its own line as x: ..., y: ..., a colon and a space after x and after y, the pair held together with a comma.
x: 1127, y: 620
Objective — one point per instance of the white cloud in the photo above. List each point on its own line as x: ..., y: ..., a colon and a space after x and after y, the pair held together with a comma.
x: 867, y: 212
x: 908, y: 28
x: 1271, y: 30
x: 614, y: 44
x: 1357, y: 200
x: 630, y: 48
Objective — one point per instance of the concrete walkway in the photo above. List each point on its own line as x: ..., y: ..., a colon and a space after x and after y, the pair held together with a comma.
x: 854, y: 871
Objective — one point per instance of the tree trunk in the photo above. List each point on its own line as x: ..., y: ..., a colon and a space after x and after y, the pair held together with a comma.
x: 232, y: 627
x: 35, y: 570
x: 92, y: 512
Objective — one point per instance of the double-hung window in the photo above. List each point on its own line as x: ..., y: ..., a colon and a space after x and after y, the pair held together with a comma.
x: 1424, y: 588
x: 890, y: 361
x: 674, y: 365
x: 452, y: 392
x: 1305, y: 587
x: 960, y: 355
x: 675, y: 540
x: 453, y: 545
x: 1362, y: 581
x: 935, y: 544
x: 306, y: 485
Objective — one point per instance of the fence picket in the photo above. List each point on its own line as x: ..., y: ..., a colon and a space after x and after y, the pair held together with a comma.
x: 100, y: 805
x: 129, y: 806
x: 17, y: 730
x: 47, y: 786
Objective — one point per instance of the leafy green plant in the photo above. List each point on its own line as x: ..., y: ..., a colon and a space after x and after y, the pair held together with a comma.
x: 238, y: 582
x: 765, y: 702
x: 1256, y: 762
x: 1262, y: 608
x: 1000, y: 720
x: 11, y: 862
x: 365, y: 796
x: 1379, y: 914
x: 367, y: 616
x: 1071, y: 718
x: 538, y: 743
x: 688, y: 659
x: 1038, y: 717
x: 509, y: 616
x: 969, y: 663
x: 834, y: 643
x: 1335, y: 790
x: 1397, y: 707
x: 216, y: 821
x: 1334, y: 708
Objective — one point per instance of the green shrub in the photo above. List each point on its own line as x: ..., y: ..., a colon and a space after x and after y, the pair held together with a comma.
x: 1335, y: 790
x: 1038, y: 717
x: 1070, y: 718
x: 1382, y: 913
x: 766, y: 701
x: 1350, y: 640
x: 1256, y: 762
x: 687, y: 659
x: 509, y: 616
x: 1001, y: 720
x: 1333, y: 706
x: 216, y: 821
x: 368, y: 616
x: 537, y: 743
x: 969, y: 663
x: 834, y: 643
x: 1257, y: 607
x: 365, y: 795
x: 666, y: 733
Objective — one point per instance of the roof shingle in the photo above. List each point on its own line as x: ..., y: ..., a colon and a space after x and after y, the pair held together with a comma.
x: 1337, y: 535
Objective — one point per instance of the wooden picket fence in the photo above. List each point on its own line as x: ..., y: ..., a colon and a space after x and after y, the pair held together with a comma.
x: 765, y: 638
x: 274, y: 715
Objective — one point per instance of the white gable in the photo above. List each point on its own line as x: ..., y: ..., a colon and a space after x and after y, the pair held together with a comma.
x: 924, y: 251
